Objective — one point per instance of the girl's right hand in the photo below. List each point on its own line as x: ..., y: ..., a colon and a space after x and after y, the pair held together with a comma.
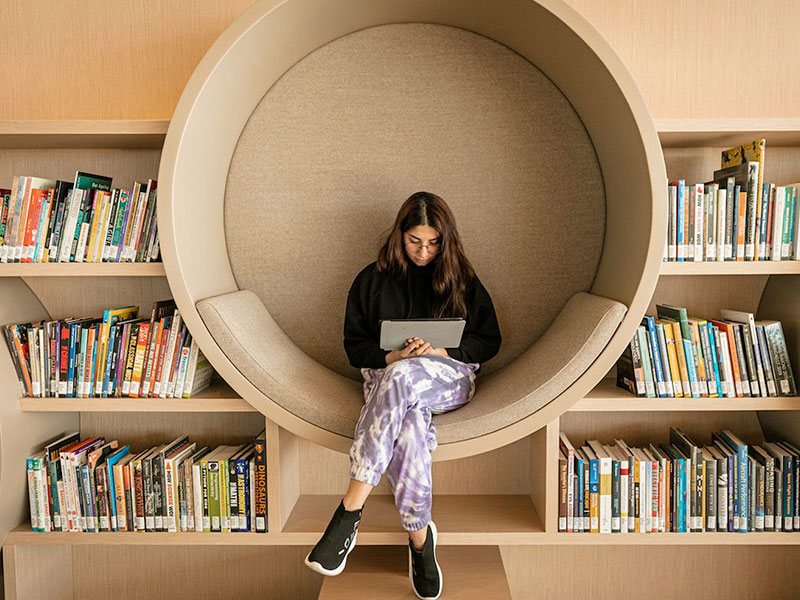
x: 413, y: 347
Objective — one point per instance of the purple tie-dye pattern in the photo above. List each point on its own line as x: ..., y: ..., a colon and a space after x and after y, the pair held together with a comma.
x: 396, y: 434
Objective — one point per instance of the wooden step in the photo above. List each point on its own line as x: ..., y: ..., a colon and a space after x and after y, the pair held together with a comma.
x: 381, y: 573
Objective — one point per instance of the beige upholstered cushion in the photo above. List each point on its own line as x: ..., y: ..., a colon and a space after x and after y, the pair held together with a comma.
x: 355, y: 127
x: 264, y: 354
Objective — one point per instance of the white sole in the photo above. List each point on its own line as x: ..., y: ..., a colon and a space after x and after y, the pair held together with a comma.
x: 411, y: 568
x: 315, y: 566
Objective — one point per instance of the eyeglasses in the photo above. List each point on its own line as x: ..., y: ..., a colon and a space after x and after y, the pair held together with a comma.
x: 432, y: 247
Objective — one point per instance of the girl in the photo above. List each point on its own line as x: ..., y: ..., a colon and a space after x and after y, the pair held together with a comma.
x: 421, y: 272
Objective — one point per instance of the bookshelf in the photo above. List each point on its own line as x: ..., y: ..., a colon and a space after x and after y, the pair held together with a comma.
x: 301, y: 482
x: 507, y: 497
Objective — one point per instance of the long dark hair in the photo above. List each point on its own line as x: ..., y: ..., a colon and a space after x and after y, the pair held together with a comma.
x: 452, y: 272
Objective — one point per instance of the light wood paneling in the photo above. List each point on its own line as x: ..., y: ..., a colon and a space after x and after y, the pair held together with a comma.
x: 666, y: 572
x: 458, y: 517
x: 141, y: 430
x: 702, y: 59
x: 680, y: 54
x: 114, y: 60
x: 697, y: 165
x: 196, y: 572
x: 705, y: 297
x: 38, y: 572
x: 89, y: 296
x: 642, y: 428
x: 502, y: 471
x: 123, y: 166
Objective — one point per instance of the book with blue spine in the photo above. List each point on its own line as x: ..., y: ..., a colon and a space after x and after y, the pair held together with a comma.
x: 742, y: 474
x: 110, y: 462
x: 714, y: 358
x: 594, y: 490
x: 578, y: 521
x: 664, y: 359
x: 650, y: 325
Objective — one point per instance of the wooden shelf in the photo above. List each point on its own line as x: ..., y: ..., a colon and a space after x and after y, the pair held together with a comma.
x: 107, y: 269
x: 764, y: 267
x: 460, y: 519
x: 607, y: 397
x: 144, y: 134
x: 753, y: 538
x: 23, y: 535
x: 683, y: 133
x: 219, y: 397
x: 473, y: 573
x: 139, y: 134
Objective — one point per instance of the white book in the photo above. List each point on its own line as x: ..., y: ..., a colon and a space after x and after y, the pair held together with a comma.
x: 191, y: 367
x: 33, y: 492
x: 710, y: 199
x: 197, y: 493
x: 775, y: 245
x: 688, y: 211
x: 727, y: 366
x: 181, y: 379
x: 569, y: 452
x: 722, y: 213
x: 137, y: 224
x: 699, y: 206
x: 176, y: 359
x: 168, y: 354
x: 171, y: 478
x: 70, y: 224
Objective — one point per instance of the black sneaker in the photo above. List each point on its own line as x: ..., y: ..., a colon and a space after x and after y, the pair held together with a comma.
x: 423, y: 570
x: 329, y: 556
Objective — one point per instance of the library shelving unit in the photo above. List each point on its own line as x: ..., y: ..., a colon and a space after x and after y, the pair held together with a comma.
x: 505, y: 498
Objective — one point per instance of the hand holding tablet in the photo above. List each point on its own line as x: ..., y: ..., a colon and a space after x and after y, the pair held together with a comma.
x: 439, y: 333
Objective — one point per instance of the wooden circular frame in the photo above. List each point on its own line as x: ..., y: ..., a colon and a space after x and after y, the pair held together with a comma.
x: 267, y: 40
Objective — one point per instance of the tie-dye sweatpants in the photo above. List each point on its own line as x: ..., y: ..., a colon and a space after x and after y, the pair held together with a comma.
x: 396, y: 434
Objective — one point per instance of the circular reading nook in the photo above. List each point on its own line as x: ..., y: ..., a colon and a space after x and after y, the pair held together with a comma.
x: 305, y: 126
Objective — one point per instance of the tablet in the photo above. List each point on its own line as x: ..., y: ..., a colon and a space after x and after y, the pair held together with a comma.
x: 439, y: 333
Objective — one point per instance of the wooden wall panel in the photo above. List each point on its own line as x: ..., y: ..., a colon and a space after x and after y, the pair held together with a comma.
x: 689, y: 58
x: 705, y: 59
x: 196, y: 572
x: 662, y: 572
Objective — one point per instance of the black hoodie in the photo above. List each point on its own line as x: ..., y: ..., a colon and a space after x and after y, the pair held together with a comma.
x: 375, y: 296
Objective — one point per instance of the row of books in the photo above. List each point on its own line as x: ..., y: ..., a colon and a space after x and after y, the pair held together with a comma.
x: 49, y: 220
x: 724, y: 486
x: 118, y: 355
x: 677, y: 356
x: 736, y: 216
x: 91, y: 485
